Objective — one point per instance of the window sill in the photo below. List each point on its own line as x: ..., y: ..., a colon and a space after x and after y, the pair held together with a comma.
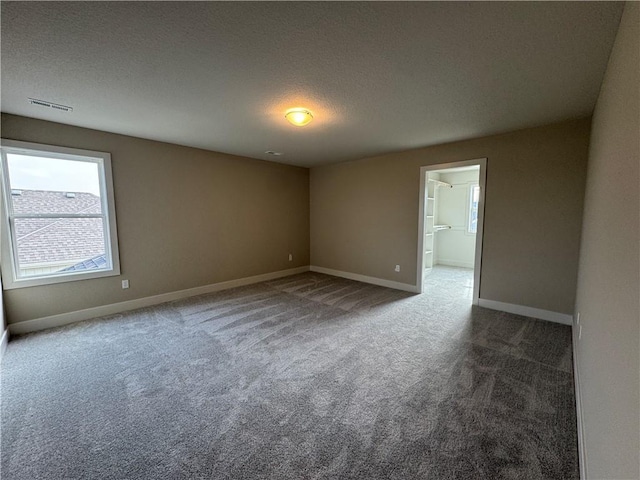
x: 12, y: 284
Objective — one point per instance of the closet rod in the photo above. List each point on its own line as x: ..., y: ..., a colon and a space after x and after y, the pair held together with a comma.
x: 440, y: 184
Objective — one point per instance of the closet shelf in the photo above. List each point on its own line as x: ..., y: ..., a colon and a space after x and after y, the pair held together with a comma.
x: 440, y: 184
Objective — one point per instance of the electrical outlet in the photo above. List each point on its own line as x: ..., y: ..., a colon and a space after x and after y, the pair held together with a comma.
x: 291, y: 257
x: 397, y: 268
x: 125, y: 284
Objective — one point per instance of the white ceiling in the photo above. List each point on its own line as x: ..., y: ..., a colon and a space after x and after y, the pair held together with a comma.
x: 378, y: 76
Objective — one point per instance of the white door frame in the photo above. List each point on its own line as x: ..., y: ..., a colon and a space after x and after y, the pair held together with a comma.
x: 482, y: 181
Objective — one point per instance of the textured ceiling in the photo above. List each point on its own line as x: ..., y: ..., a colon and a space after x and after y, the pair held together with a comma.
x: 378, y: 76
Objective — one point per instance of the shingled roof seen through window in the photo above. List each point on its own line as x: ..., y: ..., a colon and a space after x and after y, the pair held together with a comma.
x: 43, y: 240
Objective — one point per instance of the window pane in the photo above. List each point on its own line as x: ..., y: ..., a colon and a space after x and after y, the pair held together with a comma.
x: 51, y: 185
x: 476, y: 195
x: 42, y: 201
x: 52, y: 245
x: 474, y: 198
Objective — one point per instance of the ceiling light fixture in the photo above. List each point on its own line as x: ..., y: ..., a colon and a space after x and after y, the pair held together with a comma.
x: 271, y: 152
x: 298, y: 116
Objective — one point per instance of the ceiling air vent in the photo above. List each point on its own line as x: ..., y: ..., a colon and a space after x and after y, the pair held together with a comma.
x: 55, y: 106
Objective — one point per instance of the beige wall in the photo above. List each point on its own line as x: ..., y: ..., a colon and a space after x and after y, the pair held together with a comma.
x: 609, y: 277
x: 364, y: 214
x: 186, y: 218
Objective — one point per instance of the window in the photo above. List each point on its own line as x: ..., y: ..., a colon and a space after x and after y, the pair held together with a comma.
x: 474, y: 198
x: 59, y: 219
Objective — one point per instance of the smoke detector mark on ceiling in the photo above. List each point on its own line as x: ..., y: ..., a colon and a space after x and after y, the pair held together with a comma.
x: 55, y: 106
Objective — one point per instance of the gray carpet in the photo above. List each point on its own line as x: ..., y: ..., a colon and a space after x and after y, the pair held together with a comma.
x: 306, y: 377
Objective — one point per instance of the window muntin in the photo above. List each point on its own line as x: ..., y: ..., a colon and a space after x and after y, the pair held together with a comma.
x: 59, y: 217
x: 474, y: 198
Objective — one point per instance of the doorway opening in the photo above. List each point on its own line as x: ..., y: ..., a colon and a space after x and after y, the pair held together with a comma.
x: 451, y: 228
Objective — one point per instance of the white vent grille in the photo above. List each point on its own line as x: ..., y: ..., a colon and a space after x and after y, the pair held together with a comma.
x: 43, y: 103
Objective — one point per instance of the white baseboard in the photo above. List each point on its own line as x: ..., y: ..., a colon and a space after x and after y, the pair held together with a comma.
x: 582, y: 452
x: 80, y: 315
x: 453, y: 263
x: 4, y: 341
x: 527, y: 311
x: 366, y: 279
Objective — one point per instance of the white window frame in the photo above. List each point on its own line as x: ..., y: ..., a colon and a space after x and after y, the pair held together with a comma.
x: 470, y: 188
x: 10, y: 276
